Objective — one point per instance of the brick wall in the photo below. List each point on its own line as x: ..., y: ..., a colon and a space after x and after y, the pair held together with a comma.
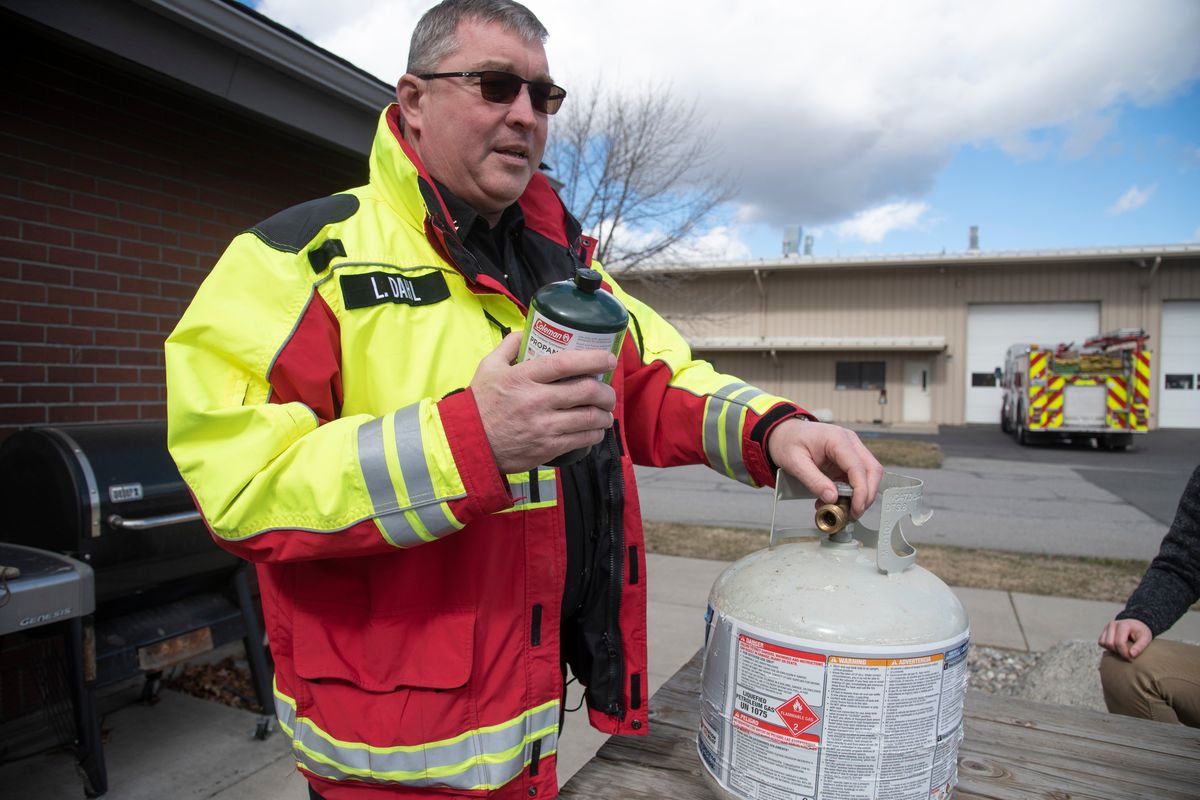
x: 117, y: 195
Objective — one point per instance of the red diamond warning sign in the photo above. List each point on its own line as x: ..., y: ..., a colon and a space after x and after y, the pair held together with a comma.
x: 797, y: 715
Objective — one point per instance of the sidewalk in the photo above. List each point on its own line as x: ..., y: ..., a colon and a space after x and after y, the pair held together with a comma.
x: 184, y: 747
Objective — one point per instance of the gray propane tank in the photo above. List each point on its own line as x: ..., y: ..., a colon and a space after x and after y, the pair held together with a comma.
x: 834, y: 667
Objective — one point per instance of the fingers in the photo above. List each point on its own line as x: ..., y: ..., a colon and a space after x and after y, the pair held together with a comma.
x: 581, y: 391
x: 568, y: 364
x: 1140, y: 639
x: 509, y: 348
x: 817, y: 454
x: 864, y: 473
x: 1108, y: 637
x: 539, y: 409
x: 1127, y: 638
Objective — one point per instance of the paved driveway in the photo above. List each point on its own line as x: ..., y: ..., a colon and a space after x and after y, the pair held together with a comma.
x: 1056, y: 499
x: 1150, y: 477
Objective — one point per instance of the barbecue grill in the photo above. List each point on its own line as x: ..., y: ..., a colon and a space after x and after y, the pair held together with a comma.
x: 109, y: 495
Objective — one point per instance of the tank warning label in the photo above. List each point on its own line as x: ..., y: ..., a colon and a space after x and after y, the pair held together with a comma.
x: 543, y: 337
x: 787, y: 718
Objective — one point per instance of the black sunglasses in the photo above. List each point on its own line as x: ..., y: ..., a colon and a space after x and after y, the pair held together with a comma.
x: 503, y: 87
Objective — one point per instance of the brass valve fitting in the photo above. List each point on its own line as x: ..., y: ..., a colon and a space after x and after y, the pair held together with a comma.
x: 832, y: 517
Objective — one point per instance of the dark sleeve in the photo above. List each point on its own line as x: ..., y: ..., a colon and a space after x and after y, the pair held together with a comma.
x: 1172, y: 583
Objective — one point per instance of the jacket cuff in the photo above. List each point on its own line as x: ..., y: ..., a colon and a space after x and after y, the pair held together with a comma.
x: 487, y: 491
x: 757, y: 458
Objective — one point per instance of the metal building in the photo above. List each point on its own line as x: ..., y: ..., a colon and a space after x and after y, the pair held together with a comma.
x: 918, y: 338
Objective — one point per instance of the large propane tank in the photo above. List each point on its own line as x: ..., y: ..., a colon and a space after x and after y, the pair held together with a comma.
x: 834, y: 667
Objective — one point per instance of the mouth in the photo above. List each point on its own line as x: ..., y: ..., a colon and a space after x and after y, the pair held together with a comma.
x: 515, y: 152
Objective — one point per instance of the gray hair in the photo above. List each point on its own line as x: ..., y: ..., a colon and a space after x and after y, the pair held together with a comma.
x: 435, y: 38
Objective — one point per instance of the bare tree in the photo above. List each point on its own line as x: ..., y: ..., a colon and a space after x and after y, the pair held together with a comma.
x: 638, y: 170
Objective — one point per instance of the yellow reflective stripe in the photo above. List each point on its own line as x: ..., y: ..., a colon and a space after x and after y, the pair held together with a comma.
x: 529, y: 497
x: 1057, y: 384
x: 484, y: 758
x: 724, y: 423
x: 391, y: 455
x: 1037, y: 365
x: 1118, y: 396
x: 1141, y: 381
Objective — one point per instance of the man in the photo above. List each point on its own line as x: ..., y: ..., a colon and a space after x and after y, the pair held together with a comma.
x: 1155, y: 678
x: 344, y: 406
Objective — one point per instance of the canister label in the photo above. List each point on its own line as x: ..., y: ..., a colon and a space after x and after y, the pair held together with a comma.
x: 543, y: 337
x: 783, y: 717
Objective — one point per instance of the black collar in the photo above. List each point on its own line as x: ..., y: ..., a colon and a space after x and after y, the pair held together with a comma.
x: 464, y: 218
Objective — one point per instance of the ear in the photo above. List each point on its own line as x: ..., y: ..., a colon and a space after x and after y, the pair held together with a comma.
x: 409, y: 94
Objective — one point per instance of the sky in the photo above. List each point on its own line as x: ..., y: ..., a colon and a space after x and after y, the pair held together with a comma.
x: 883, y: 127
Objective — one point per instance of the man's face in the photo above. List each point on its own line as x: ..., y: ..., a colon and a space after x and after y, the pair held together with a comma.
x: 484, y: 152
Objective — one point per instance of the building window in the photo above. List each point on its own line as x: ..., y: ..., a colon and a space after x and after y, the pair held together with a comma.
x: 859, y: 375
x: 983, y: 379
x: 1179, y: 380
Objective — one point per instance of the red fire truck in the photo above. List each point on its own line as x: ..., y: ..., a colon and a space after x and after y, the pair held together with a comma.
x: 1100, y: 389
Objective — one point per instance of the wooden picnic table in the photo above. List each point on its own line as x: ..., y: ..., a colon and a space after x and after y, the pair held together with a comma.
x: 1012, y: 748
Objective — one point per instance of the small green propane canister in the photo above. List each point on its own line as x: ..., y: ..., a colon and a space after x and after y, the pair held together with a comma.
x: 574, y: 315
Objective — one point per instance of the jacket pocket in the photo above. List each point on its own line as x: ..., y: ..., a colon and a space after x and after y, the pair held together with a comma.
x: 424, y: 648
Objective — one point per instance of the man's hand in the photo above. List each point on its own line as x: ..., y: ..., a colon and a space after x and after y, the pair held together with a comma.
x: 1126, y: 637
x: 817, y: 454
x: 544, y: 407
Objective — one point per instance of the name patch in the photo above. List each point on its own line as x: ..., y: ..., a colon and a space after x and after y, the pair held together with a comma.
x: 374, y: 288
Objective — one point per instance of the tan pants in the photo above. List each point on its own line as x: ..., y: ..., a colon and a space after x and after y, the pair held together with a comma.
x: 1162, y: 684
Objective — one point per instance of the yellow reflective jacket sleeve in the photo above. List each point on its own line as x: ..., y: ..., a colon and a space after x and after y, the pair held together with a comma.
x: 680, y: 410
x: 256, y: 426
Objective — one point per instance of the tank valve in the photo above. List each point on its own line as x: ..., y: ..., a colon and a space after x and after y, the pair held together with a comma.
x: 832, y: 517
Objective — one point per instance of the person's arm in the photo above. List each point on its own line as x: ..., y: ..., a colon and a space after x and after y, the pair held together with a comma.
x: 680, y: 410
x: 255, y: 425
x: 1169, y: 587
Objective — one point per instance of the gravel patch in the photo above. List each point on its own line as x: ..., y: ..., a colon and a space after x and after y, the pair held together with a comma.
x: 1066, y: 674
x: 998, y: 671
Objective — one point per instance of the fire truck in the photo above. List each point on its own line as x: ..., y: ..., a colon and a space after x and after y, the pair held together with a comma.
x: 1100, y: 389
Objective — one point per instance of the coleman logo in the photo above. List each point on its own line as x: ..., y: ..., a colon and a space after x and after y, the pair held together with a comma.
x: 543, y: 328
x: 378, y: 288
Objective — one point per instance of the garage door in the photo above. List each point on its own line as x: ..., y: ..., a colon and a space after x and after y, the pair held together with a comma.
x: 1179, y: 365
x: 993, y: 327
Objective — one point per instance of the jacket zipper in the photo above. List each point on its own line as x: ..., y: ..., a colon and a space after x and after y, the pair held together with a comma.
x: 616, y: 535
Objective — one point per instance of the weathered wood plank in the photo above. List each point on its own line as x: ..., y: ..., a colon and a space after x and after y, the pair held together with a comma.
x: 1010, y: 743
x: 1007, y: 779
x: 1138, y: 734
x: 635, y: 782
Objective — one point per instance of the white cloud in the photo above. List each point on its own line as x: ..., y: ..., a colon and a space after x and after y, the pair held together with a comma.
x: 873, y: 224
x: 718, y: 243
x: 1133, y: 198
x: 824, y: 109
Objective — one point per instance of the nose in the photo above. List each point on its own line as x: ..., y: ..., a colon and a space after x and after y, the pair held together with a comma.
x: 520, y: 110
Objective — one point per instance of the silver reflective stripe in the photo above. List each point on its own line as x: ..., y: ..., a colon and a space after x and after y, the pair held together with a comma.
x: 733, y: 396
x: 417, y: 480
x: 547, y: 487
x: 424, y: 503
x: 733, y: 441
x: 488, y: 758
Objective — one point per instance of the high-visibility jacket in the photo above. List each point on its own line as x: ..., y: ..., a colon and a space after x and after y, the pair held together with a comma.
x: 319, y: 410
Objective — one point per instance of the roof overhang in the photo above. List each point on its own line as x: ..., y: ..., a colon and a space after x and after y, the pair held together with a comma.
x: 228, y: 52
x: 1144, y: 257
x: 710, y: 344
